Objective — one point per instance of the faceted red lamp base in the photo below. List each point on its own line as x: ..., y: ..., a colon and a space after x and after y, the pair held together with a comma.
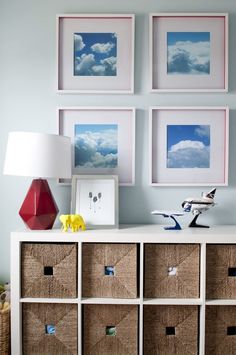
x: 39, y: 209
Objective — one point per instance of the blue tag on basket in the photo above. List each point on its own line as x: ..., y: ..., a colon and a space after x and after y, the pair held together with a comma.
x: 50, y: 329
x: 109, y: 270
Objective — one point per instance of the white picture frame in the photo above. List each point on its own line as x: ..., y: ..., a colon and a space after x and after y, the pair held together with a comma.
x: 95, y: 198
x: 188, y: 52
x: 95, y: 53
x: 114, y: 127
x: 188, y: 146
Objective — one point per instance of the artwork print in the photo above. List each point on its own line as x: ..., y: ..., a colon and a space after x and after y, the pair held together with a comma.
x: 188, y: 53
x: 188, y: 146
x: 96, y: 146
x: 95, y: 54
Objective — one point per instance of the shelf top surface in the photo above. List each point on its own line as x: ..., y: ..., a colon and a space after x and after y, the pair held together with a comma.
x: 133, y: 233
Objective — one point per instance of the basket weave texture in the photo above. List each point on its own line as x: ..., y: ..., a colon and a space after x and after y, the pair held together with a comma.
x: 61, y: 258
x: 62, y: 316
x: 159, y: 259
x: 184, y: 320
x: 123, y: 317
x: 5, y: 333
x: 218, y: 319
x: 123, y: 257
x: 219, y: 260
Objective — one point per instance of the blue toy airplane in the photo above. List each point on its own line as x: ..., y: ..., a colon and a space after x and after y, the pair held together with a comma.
x: 172, y: 215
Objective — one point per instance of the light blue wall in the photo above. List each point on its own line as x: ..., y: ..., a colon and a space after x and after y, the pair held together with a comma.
x: 28, y: 101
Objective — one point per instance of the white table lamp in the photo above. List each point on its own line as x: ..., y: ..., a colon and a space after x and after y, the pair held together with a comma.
x: 42, y: 156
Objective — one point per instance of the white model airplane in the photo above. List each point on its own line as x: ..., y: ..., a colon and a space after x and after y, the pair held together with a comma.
x: 196, y: 205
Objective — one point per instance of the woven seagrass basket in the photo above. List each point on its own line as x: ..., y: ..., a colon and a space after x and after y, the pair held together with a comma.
x: 171, y: 330
x: 110, y: 330
x: 50, y: 329
x: 49, y: 270
x: 220, y: 330
x: 221, y: 271
x: 5, y: 332
x: 171, y: 271
x: 109, y: 270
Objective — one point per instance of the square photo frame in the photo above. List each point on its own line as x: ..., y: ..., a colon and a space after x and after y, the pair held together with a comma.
x: 189, y: 146
x: 95, y: 53
x: 188, y: 52
x: 95, y: 197
x: 103, y: 141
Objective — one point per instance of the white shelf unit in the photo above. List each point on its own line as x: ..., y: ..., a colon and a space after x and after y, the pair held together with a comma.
x: 139, y: 234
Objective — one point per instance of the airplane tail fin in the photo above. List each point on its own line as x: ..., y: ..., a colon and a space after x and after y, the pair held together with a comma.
x: 211, y: 194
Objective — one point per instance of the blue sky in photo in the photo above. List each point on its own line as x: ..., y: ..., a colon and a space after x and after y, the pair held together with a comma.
x: 96, y: 145
x: 95, y: 54
x: 188, y: 146
x: 188, y: 53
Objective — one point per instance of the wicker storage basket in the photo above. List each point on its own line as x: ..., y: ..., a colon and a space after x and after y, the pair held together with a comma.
x: 5, y: 332
x: 171, y: 271
x: 110, y: 330
x: 220, y: 330
x: 49, y: 270
x: 39, y: 338
x: 171, y: 330
x: 221, y: 271
x: 110, y: 270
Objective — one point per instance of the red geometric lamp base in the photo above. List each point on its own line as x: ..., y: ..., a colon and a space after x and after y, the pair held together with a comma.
x: 39, y: 209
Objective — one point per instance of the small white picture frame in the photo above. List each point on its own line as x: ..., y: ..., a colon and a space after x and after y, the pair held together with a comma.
x: 95, y: 198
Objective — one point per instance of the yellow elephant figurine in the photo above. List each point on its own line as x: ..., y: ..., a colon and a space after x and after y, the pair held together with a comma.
x: 65, y: 220
x: 72, y: 221
x: 77, y: 222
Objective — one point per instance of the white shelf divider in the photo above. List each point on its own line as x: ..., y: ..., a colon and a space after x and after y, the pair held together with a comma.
x: 141, y: 294
x: 202, y: 296
x: 80, y: 310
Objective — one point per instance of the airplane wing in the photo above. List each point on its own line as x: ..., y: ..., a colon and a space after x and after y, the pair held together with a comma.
x: 168, y: 213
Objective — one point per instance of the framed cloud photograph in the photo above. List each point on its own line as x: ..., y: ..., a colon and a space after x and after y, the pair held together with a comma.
x: 95, y: 53
x: 188, y: 146
x: 95, y: 197
x: 103, y: 141
x: 188, y: 52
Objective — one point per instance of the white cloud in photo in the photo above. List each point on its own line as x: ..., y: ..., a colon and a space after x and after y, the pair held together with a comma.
x: 104, y: 139
x: 186, y: 144
x: 189, y: 57
x: 101, y: 161
x: 109, y: 63
x: 189, y: 154
x: 99, y: 69
x: 203, y: 131
x: 86, y: 65
x: 78, y: 42
x: 102, y: 48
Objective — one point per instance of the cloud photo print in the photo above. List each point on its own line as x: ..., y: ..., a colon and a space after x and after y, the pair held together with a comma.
x: 103, y: 141
x: 188, y: 146
x: 96, y: 145
x: 188, y: 53
x: 95, y: 54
